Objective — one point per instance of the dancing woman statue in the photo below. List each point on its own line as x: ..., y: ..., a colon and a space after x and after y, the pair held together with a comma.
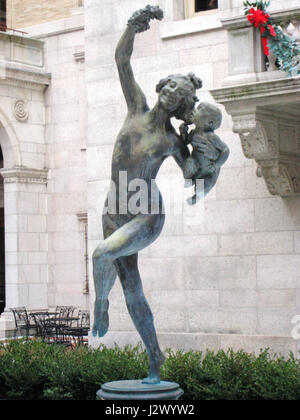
x: 146, y: 139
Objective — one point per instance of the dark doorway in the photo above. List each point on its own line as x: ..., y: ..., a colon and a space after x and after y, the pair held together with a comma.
x: 2, y: 241
x: 3, y: 19
x: 201, y: 5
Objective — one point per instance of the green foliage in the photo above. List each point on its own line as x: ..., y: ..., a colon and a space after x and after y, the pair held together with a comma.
x: 235, y: 375
x: 37, y: 371
x: 261, y: 5
x: 284, y: 48
x: 286, y: 51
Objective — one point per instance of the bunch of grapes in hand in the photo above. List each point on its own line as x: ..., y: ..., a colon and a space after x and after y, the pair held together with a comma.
x: 140, y: 19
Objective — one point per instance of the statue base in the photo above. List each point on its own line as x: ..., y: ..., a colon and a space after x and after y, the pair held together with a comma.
x: 136, y: 390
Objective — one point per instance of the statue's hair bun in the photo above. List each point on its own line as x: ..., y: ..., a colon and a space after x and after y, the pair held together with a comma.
x: 195, y: 80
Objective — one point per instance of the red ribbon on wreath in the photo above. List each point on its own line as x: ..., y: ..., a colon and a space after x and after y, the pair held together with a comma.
x: 259, y: 18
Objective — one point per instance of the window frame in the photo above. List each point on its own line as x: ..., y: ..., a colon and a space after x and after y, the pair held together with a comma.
x: 189, y: 10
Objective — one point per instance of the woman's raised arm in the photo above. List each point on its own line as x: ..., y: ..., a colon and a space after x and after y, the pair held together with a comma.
x: 139, y: 22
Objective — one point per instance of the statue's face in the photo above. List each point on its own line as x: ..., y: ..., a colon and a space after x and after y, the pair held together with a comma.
x: 207, y: 116
x: 171, y: 95
x: 202, y: 117
x: 177, y: 97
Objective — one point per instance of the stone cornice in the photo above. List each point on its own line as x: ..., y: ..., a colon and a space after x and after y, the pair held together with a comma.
x: 23, y: 175
x: 21, y: 39
x: 279, y: 16
x: 287, y: 15
x: 60, y: 32
x: 25, y: 78
x: 290, y: 85
x: 74, y: 23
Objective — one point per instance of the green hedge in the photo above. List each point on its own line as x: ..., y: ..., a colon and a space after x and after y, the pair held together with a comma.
x: 36, y: 371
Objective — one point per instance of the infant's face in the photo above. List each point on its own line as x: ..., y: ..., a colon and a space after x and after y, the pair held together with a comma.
x: 202, y: 117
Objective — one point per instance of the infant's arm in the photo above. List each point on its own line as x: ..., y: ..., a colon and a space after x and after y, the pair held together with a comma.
x: 204, y: 148
x: 222, y: 148
x: 196, y: 138
x: 185, y: 135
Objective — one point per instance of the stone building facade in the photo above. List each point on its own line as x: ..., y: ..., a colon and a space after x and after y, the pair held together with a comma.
x: 231, y: 280
x: 21, y: 14
x: 43, y: 144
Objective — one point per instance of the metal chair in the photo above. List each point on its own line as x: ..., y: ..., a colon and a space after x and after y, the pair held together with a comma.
x: 51, y: 330
x: 22, y: 322
x: 84, y: 319
x: 45, y: 330
x: 80, y: 332
x: 39, y: 320
x: 63, y: 320
x: 64, y: 311
x: 84, y: 324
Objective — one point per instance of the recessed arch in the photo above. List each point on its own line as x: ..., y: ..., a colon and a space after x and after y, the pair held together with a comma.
x: 2, y: 241
x: 10, y: 157
x: 9, y: 143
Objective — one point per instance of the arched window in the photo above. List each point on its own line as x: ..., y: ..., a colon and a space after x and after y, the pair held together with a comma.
x: 2, y: 241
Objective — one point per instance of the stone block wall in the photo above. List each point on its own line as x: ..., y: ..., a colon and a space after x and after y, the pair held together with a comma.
x: 233, y: 279
x: 66, y: 159
x: 21, y: 14
x: 22, y: 129
x: 26, y: 244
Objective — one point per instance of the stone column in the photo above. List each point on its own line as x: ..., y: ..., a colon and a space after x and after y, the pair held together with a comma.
x: 26, y: 239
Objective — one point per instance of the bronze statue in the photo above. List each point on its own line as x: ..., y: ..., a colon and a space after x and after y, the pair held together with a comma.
x: 146, y: 139
x: 209, y: 151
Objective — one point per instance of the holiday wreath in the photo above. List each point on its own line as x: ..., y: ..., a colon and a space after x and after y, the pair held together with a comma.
x: 284, y: 48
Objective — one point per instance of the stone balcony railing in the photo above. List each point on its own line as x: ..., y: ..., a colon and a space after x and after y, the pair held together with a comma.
x: 264, y: 103
x: 247, y: 62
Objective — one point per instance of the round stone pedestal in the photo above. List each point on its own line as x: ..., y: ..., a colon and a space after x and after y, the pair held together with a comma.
x: 136, y: 390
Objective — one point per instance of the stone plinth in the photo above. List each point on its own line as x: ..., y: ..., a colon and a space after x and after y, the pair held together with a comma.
x: 136, y: 390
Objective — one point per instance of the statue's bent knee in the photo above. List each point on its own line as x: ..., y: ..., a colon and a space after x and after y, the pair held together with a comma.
x: 100, y: 255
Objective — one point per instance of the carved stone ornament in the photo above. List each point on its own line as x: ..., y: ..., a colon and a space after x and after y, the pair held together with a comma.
x: 259, y: 135
x: 282, y: 178
x: 266, y: 117
x: 260, y: 139
x: 21, y: 110
x: 253, y: 137
x: 23, y: 175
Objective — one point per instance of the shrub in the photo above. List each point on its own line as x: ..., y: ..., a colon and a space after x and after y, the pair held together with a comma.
x: 36, y: 371
x: 235, y: 375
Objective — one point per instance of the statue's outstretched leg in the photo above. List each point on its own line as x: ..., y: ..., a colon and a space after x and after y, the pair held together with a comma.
x: 104, y: 277
x: 129, y: 239
x: 140, y: 312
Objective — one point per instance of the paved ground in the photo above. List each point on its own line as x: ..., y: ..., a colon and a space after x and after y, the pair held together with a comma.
x: 6, y: 334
